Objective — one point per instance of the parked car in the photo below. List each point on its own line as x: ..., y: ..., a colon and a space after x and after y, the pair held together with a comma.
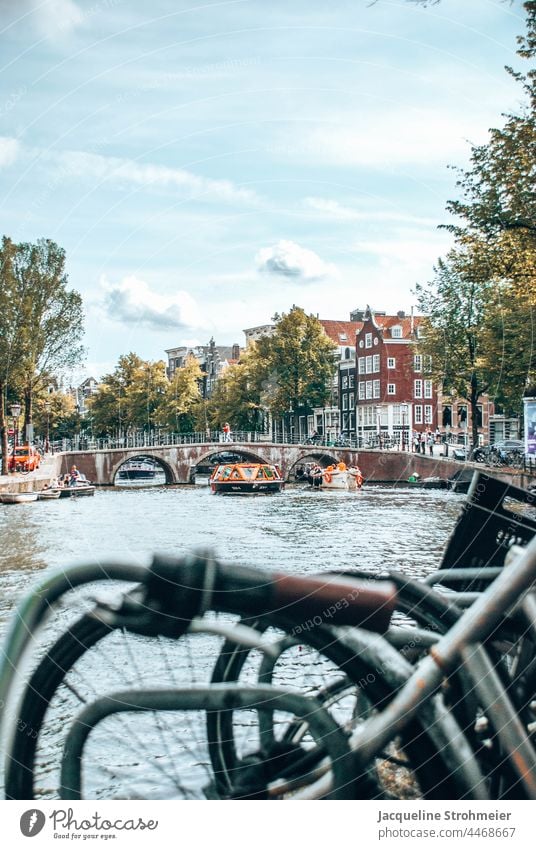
x: 25, y: 459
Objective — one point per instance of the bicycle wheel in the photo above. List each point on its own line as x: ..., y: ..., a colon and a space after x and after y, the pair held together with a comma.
x: 160, y: 753
x: 350, y: 684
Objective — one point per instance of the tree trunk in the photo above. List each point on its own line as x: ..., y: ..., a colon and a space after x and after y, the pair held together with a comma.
x: 474, y: 396
x: 28, y: 413
x: 3, y: 430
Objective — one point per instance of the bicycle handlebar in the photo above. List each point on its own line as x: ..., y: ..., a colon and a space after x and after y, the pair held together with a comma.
x: 176, y: 590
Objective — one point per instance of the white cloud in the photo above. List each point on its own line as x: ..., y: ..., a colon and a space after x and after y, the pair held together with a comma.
x: 132, y: 302
x: 287, y: 259
x: 424, y: 137
x: 9, y: 150
x: 97, y: 167
x: 332, y: 209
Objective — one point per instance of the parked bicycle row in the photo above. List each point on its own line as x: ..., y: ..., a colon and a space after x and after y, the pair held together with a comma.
x: 334, y: 685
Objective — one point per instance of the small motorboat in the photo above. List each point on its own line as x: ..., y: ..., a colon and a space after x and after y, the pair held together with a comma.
x: 246, y: 478
x: 338, y: 477
x: 76, y: 490
x: 48, y: 494
x: 17, y: 497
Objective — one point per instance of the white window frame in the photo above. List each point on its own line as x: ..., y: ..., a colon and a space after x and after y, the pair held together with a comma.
x: 417, y: 362
x: 391, y: 388
x: 428, y: 414
x: 344, y: 381
x: 368, y: 389
x: 375, y: 363
x: 361, y: 365
x: 417, y: 389
x: 361, y: 390
x: 375, y: 388
x: 428, y: 389
x: 391, y: 362
x: 417, y: 413
x: 368, y: 365
x: 351, y: 401
x: 396, y: 332
x: 345, y: 402
x: 368, y: 340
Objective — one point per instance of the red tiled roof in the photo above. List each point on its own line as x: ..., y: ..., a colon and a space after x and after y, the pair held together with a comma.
x: 389, y: 321
x: 334, y: 329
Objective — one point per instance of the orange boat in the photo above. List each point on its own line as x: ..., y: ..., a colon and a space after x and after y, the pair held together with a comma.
x: 244, y: 478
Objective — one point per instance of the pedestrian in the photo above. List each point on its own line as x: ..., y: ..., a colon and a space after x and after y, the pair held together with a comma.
x: 431, y: 443
x: 423, y: 442
x: 226, y: 432
x: 416, y: 442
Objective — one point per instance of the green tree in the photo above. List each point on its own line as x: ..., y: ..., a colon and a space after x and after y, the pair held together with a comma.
x: 9, y: 338
x: 297, y: 365
x: 237, y: 397
x: 458, y: 304
x: 62, y: 415
x: 50, y: 317
x: 180, y: 405
x: 132, y: 396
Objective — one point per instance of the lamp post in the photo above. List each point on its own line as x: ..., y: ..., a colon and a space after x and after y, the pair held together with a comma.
x: 15, y: 413
x: 405, y: 442
x: 47, y: 432
x: 379, y: 424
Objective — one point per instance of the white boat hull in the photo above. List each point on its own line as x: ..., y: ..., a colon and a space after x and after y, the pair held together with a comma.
x: 17, y: 497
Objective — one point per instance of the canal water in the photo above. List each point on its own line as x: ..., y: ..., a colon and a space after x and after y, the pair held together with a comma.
x: 298, y: 530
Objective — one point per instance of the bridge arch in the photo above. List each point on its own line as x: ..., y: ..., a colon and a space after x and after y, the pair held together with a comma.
x: 246, y: 455
x: 322, y: 457
x: 164, y: 465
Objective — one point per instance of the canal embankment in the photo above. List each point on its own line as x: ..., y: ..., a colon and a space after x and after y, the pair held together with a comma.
x: 49, y: 469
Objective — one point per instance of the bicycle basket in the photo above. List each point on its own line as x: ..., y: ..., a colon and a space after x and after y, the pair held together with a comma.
x: 495, y: 516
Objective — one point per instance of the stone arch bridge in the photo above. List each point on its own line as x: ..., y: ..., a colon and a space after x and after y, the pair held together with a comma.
x: 179, y: 462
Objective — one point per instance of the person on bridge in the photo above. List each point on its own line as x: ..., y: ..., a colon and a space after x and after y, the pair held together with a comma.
x: 226, y: 432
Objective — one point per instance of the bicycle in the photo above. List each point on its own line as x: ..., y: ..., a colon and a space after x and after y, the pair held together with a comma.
x: 390, y: 705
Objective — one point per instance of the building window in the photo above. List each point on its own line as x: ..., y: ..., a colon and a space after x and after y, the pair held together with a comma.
x: 391, y: 362
x: 396, y: 332
x: 345, y: 402
x: 361, y: 365
x: 391, y: 389
x: 351, y: 401
x: 368, y: 340
x: 347, y: 353
x: 351, y: 380
x: 417, y: 362
x: 376, y: 362
x: 428, y: 389
x: 368, y: 365
x: 369, y: 388
x: 417, y: 391
x: 345, y: 382
x: 361, y: 390
x: 376, y: 388
x: 343, y: 337
x: 428, y: 414
x: 427, y: 360
x: 417, y: 413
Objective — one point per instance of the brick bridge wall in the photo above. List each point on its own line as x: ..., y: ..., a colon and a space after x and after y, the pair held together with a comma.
x: 179, y: 462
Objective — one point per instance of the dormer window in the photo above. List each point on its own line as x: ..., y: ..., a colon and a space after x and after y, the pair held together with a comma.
x: 396, y: 332
x: 343, y: 337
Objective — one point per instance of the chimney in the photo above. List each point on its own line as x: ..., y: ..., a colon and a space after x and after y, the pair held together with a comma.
x: 412, y: 324
x: 235, y: 351
x: 401, y: 314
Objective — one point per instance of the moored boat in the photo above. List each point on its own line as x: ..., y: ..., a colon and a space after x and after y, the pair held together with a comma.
x: 77, y: 489
x: 338, y: 477
x: 244, y: 478
x: 48, y: 494
x: 17, y: 497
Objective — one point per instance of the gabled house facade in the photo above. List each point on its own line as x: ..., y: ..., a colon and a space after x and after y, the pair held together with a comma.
x: 395, y: 395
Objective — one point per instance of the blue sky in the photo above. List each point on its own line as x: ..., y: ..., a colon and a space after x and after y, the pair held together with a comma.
x: 206, y: 164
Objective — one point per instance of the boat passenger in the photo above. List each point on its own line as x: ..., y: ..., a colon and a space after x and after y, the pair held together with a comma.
x: 74, y: 476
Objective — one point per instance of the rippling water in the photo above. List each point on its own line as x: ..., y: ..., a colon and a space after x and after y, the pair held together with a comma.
x: 297, y: 530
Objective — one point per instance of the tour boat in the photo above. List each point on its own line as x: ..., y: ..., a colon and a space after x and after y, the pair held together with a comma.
x: 243, y: 478
x: 335, y: 477
x: 137, y: 470
x: 77, y: 489
x: 17, y: 497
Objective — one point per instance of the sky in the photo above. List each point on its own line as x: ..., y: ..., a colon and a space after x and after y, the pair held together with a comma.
x: 208, y: 164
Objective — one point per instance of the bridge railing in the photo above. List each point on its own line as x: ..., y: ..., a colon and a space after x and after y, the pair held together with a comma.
x: 158, y: 439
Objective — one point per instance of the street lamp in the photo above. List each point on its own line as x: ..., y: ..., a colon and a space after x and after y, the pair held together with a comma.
x: 47, y: 433
x: 15, y: 413
x: 379, y: 424
x: 404, y: 411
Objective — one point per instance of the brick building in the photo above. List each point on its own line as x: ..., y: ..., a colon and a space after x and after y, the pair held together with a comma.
x: 395, y: 396
x: 213, y: 360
